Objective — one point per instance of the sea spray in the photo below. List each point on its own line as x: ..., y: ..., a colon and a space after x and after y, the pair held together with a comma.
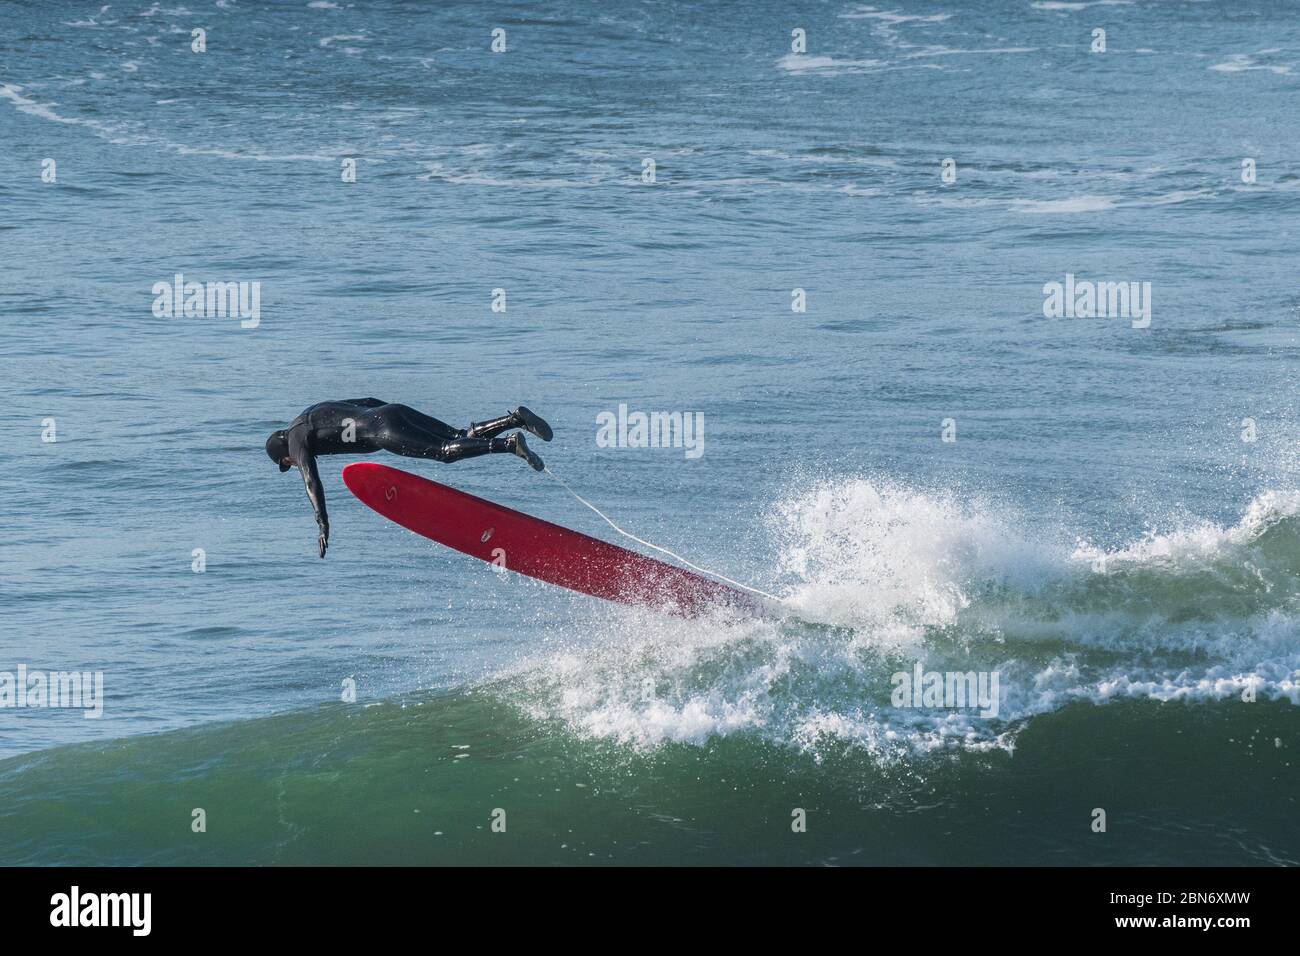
x: 884, y: 576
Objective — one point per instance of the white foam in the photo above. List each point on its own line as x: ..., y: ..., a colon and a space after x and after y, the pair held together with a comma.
x: 892, y: 17
x: 904, y: 575
x: 342, y: 38
x: 123, y: 137
x: 46, y: 111
x: 1062, y: 5
x: 803, y: 63
x: 877, y: 554
x: 1246, y: 63
x: 957, y: 51
x: 1070, y: 204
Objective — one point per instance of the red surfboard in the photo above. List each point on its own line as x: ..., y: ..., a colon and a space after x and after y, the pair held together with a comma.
x: 531, y: 546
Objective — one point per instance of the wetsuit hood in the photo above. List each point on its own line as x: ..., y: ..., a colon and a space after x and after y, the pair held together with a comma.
x: 277, y: 448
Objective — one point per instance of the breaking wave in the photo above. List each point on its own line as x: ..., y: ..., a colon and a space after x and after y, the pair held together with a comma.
x: 880, y: 577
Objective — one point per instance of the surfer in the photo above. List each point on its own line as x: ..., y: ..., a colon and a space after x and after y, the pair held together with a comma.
x: 359, y: 426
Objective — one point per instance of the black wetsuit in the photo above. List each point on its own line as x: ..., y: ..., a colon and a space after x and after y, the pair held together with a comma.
x: 363, y: 425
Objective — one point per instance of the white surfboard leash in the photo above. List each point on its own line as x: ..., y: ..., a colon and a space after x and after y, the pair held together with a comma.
x: 671, y: 554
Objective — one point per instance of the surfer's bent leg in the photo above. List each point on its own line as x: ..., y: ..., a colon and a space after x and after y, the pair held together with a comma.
x: 395, y: 429
x: 473, y: 447
x: 403, y: 431
x: 416, y: 446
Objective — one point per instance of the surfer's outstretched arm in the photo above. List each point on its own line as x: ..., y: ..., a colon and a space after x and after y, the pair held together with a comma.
x: 306, y: 463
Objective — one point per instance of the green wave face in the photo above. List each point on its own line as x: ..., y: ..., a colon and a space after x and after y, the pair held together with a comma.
x: 421, y: 781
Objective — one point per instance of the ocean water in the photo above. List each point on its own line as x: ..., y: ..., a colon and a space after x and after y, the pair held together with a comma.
x: 1101, y: 535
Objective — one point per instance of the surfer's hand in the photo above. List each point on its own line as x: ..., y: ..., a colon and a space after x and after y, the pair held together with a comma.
x: 323, y: 541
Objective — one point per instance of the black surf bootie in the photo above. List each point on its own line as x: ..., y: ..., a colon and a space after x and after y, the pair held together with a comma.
x: 533, y: 423
x: 520, y: 447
